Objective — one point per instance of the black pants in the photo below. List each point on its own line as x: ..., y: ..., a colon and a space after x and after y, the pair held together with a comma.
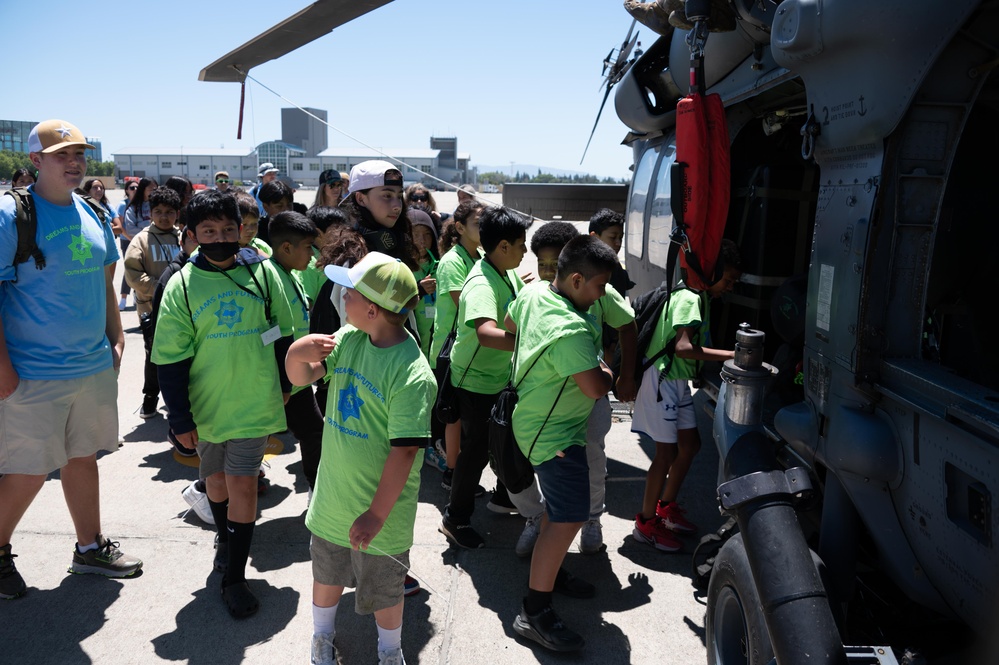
x: 306, y: 423
x: 473, y: 455
x: 125, y: 288
x: 151, y: 383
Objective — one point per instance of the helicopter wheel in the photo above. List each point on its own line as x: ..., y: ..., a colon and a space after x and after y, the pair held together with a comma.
x: 736, y: 632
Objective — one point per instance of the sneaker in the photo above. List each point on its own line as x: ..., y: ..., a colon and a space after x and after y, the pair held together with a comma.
x: 411, y: 587
x: 672, y: 516
x: 591, y: 537
x: 433, y: 457
x: 462, y: 535
x: 547, y: 629
x: 11, y: 583
x: 447, y: 478
x: 654, y: 532
x: 198, y: 501
x: 148, y: 409
x: 500, y: 502
x: 122, y: 303
x: 106, y: 560
x: 221, y: 561
x: 323, y: 649
x: 391, y: 657
x: 529, y: 536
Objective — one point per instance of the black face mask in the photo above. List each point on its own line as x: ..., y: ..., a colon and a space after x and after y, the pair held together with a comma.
x: 219, y: 251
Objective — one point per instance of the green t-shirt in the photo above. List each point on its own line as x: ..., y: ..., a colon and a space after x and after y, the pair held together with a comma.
x: 425, y: 309
x: 298, y: 301
x: 261, y: 246
x: 375, y: 395
x: 452, y: 270
x: 684, y: 311
x: 486, y: 295
x: 551, y: 331
x: 612, y: 309
x: 234, y: 388
x: 313, y: 278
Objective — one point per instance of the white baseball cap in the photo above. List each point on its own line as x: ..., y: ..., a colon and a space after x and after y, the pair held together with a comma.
x: 266, y: 168
x: 372, y: 173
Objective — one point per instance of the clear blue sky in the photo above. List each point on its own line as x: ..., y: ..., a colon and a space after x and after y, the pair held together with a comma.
x: 514, y: 81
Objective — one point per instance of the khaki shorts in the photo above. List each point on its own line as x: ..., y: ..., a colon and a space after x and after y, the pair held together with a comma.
x: 378, y: 580
x: 46, y: 423
x: 235, y: 457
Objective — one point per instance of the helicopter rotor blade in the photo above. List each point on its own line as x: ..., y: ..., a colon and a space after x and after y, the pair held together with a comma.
x: 595, y: 123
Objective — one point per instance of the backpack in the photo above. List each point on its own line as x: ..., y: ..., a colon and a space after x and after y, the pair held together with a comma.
x: 26, y: 224
x: 649, y: 308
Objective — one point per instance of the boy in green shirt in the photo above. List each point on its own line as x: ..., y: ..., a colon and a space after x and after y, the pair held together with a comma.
x: 610, y: 313
x: 664, y: 408
x: 292, y: 235
x: 377, y: 421
x: 480, y: 359
x: 224, y: 323
x: 556, y: 396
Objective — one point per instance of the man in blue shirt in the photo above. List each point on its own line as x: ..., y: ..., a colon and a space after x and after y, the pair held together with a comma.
x: 60, y: 349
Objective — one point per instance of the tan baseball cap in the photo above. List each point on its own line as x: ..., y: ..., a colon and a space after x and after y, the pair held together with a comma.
x: 52, y: 135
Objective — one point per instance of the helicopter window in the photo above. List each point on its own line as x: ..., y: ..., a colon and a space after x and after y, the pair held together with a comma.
x: 661, y: 217
x: 642, y: 183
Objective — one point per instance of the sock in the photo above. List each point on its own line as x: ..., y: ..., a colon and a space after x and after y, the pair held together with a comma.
x: 537, y: 601
x: 323, y: 619
x: 86, y: 548
x: 389, y: 639
x: 200, y: 486
x: 240, y: 537
x: 220, y: 511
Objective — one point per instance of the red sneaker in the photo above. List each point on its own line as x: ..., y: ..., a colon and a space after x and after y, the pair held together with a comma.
x: 653, y: 532
x: 672, y: 516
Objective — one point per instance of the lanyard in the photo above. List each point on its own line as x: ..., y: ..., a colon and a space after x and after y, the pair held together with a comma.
x: 294, y: 284
x: 265, y: 297
x: 502, y: 275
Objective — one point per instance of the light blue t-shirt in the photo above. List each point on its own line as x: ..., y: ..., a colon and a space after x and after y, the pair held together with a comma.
x: 54, y: 318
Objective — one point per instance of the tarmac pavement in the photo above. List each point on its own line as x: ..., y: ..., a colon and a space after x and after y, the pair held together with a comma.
x: 645, y: 611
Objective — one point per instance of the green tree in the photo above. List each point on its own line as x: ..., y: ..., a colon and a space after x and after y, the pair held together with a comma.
x: 12, y: 161
x: 95, y: 168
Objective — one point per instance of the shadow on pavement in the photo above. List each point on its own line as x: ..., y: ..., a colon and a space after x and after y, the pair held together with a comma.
x: 66, y: 615
x: 207, y: 635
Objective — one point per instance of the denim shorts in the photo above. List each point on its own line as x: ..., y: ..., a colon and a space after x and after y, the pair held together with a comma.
x: 565, y: 482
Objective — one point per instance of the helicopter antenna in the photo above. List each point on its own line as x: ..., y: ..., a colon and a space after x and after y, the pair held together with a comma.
x: 613, y: 71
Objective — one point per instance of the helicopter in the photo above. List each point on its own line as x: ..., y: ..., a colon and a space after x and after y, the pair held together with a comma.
x: 859, y: 433
x: 862, y: 144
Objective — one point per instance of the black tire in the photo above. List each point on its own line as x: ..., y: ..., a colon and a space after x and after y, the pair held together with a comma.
x: 735, y: 630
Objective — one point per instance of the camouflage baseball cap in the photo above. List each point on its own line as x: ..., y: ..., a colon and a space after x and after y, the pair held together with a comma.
x: 382, y: 279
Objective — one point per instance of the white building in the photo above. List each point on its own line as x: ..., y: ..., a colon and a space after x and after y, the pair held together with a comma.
x: 197, y: 164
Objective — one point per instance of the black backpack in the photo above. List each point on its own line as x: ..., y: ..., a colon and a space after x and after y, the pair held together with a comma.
x: 26, y: 224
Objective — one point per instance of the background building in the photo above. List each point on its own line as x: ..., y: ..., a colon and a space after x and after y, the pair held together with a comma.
x: 197, y: 164
x: 302, y: 130
x: 14, y: 134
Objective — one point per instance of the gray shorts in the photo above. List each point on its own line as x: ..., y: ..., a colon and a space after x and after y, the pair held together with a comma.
x: 377, y: 579
x: 235, y: 457
x: 45, y: 423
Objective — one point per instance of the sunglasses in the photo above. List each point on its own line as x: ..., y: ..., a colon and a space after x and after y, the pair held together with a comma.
x: 419, y: 197
x: 222, y: 181
x: 132, y: 188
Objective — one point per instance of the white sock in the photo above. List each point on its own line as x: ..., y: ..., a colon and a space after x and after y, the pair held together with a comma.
x: 323, y: 619
x: 86, y: 548
x: 389, y: 639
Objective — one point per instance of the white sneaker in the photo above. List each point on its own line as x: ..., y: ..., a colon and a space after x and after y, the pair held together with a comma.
x: 198, y: 501
x: 122, y: 303
x: 323, y: 650
x: 529, y: 536
x: 591, y: 537
x: 391, y: 657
